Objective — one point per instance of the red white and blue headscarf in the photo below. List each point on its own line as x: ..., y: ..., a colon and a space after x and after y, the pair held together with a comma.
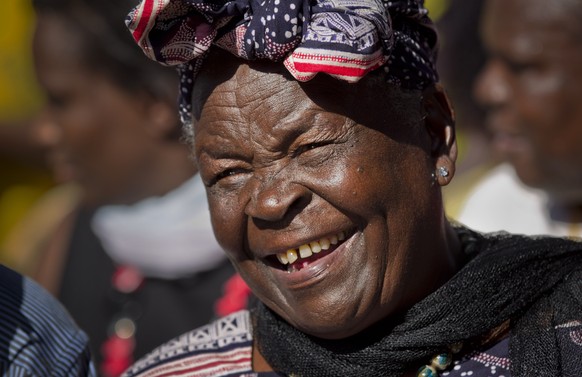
x: 343, y: 38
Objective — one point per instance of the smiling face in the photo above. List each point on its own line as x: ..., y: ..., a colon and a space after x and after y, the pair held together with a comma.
x: 531, y: 86
x: 329, y: 174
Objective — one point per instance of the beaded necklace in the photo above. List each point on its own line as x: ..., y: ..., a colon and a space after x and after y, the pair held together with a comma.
x: 439, y: 362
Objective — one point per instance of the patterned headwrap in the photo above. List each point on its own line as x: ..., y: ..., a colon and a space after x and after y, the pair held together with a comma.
x: 343, y: 38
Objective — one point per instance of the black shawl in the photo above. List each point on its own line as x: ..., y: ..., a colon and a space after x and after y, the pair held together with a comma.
x: 535, y: 283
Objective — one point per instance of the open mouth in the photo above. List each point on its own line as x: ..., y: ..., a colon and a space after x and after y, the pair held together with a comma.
x: 296, y: 259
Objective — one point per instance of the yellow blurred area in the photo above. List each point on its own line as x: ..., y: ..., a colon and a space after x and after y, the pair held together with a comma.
x: 22, y: 183
x: 18, y: 90
x: 437, y: 8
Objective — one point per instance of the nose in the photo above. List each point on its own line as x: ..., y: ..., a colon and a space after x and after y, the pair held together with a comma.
x: 275, y: 201
x: 492, y: 86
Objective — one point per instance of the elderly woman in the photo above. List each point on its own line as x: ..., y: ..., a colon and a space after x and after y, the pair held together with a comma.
x: 323, y: 140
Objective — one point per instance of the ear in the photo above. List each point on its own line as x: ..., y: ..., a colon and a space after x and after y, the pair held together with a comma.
x: 440, y: 123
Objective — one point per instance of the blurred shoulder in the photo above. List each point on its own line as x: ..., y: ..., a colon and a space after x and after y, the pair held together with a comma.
x: 37, y: 332
x: 499, y: 201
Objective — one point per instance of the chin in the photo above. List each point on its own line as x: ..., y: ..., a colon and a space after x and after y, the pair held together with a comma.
x: 330, y: 331
x: 330, y: 325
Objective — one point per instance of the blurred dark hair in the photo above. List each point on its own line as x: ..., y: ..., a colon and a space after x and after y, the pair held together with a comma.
x: 108, y: 48
x: 461, y: 58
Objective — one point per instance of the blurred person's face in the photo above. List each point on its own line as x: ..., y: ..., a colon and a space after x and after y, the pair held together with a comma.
x: 532, y: 87
x: 48, y: 135
x: 95, y: 129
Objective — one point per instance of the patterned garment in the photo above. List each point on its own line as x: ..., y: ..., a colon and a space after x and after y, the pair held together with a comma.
x: 343, y: 38
x: 224, y: 349
x: 37, y: 336
x: 493, y: 362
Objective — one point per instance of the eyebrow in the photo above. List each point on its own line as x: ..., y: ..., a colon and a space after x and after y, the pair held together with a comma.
x: 282, y: 143
x: 293, y: 126
x: 284, y: 132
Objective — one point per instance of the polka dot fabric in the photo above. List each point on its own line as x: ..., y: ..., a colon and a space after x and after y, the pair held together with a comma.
x: 342, y: 38
x: 493, y: 362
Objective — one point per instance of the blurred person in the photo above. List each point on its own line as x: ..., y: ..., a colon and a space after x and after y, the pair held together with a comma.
x: 139, y: 240
x: 37, y: 335
x: 26, y: 239
x: 461, y: 58
x: 23, y: 176
x: 532, y: 88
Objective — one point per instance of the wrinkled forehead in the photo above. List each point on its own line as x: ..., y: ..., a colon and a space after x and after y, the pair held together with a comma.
x: 243, y: 100
x: 223, y: 73
x: 231, y: 80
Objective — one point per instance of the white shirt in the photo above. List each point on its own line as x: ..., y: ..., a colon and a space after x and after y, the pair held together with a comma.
x: 166, y: 237
x: 501, y: 202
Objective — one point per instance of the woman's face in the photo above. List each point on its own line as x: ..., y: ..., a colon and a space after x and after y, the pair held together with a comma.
x: 322, y: 165
x: 531, y: 86
x: 94, y: 131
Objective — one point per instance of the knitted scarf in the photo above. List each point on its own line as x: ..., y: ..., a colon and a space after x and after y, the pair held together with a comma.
x: 535, y: 283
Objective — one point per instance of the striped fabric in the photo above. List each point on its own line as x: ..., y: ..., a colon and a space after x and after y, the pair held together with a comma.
x: 224, y: 348
x: 220, y: 349
x: 37, y: 336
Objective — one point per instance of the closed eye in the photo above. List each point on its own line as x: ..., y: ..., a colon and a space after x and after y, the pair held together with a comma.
x: 307, y: 147
x: 226, y: 174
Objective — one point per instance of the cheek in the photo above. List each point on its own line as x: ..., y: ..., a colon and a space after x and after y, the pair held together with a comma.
x: 553, y: 121
x: 81, y: 132
x: 228, y: 222
x: 84, y: 120
x: 541, y: 98
x: 381, y: 185
x: 120, y: 128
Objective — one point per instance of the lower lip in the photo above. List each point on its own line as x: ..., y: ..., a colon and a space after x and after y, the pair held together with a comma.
x: 316, y: 271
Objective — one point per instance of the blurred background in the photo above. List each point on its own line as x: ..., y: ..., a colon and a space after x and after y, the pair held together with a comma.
x: 24, y: 174
x: 137, y: 166
x: 100, y: 201
x: 44, y: 225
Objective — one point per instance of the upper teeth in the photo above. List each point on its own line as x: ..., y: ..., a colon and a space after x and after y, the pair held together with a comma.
x: 307, y: 250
